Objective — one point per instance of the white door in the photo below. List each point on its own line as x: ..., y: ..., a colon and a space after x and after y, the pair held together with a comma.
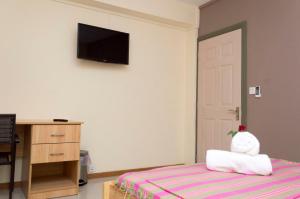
x: 219, y: 91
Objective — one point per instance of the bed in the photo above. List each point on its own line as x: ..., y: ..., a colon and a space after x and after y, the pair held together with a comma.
x: 197, y: 182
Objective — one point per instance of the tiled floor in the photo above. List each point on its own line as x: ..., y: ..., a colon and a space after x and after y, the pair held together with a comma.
x: 93, y: 190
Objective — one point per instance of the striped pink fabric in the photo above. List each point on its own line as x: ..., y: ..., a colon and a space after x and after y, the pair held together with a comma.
x: 197, y: 182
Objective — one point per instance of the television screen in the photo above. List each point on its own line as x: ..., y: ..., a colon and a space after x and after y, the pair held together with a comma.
x: 102, y: 45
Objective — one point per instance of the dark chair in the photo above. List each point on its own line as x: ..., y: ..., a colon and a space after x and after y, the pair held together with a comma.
x: 8, y: 137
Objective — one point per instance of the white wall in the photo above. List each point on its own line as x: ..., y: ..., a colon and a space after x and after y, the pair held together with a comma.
x: 190, y: 117
x: 135, y: 116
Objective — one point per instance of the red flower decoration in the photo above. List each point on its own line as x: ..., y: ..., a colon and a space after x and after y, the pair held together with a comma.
x: 242, y: 128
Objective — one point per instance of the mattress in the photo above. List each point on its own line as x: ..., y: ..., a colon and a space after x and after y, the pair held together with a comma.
x: 197, y: 182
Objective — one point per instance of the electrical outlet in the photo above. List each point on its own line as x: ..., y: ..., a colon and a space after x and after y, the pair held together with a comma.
x: 252, y: 90
x: 92, y: 168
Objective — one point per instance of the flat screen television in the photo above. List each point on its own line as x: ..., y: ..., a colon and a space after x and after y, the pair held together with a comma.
x: 102, y: 45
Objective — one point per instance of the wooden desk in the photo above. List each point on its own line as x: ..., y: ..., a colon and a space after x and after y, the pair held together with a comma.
x: 50, y: 152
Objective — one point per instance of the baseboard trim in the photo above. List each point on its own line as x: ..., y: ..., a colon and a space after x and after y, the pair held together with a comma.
x: 99, y: 175
x: 6, y: 185
x: 120, y: 172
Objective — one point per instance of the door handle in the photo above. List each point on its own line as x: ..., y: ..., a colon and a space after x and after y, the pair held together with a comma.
x: 236, y: 111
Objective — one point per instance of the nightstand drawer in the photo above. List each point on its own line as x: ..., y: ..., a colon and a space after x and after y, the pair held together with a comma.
x: 55, y: 133
x: 43, y: 153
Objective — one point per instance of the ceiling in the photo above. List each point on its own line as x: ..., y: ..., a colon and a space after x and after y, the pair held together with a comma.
x: 196, y: 2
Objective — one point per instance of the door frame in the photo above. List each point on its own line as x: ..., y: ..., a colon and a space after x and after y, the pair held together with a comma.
x: 244, y: 86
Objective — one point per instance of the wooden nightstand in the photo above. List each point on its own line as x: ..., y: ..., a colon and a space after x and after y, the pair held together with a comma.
x: 50, y: 158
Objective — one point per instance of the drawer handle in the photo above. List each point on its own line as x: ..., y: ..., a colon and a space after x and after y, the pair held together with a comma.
x: 56, y: 154
x: 57, y: 135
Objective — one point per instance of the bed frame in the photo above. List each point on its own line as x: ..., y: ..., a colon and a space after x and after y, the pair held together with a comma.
x: 112, y: 192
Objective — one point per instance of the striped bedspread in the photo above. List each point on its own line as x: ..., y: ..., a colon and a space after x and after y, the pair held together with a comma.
x: 197, y: 182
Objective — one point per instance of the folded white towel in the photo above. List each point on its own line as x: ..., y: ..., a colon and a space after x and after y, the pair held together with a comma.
x: 237, y: 162
x: 245, y: 142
